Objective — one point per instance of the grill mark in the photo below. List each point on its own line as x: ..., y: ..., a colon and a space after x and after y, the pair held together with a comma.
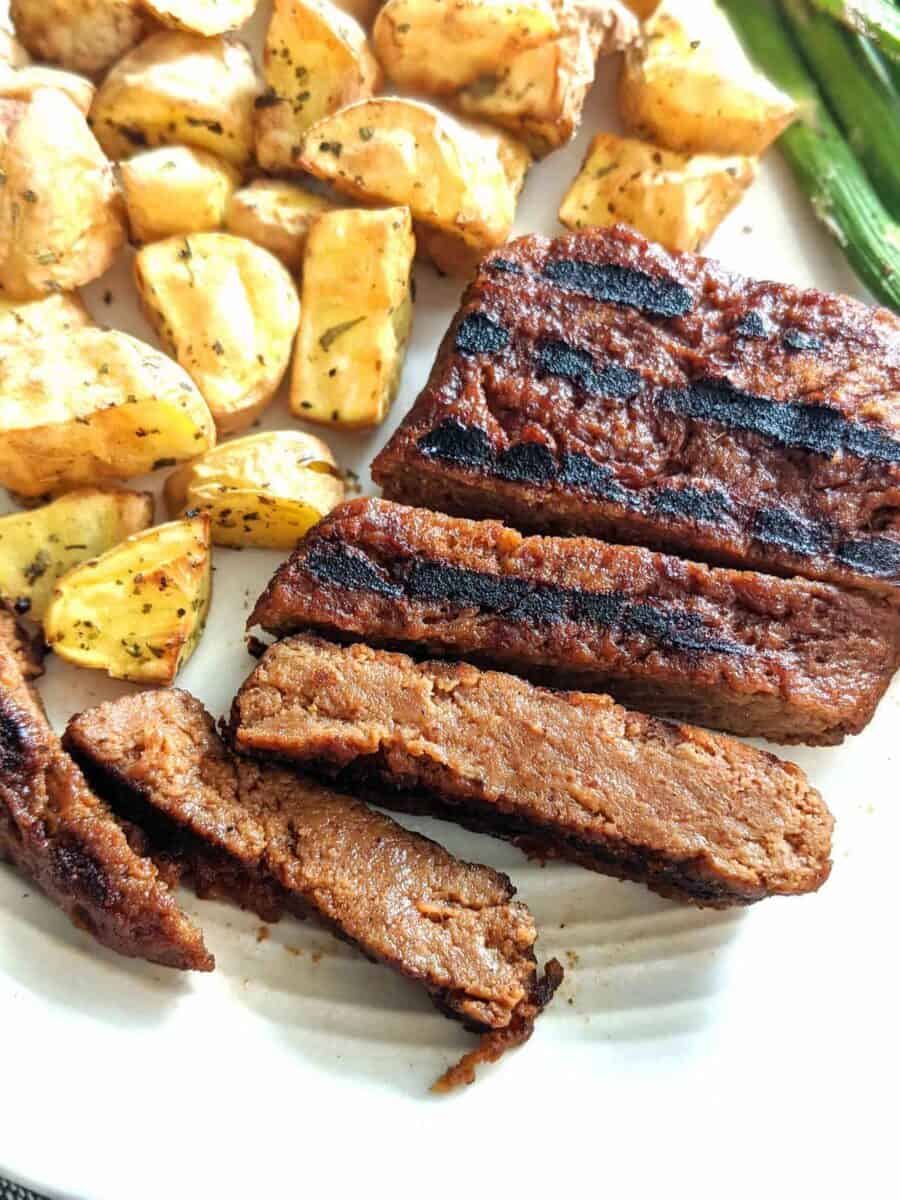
x: 479, y: 334
x: 519, y: 600
x: 612, y: 284
x: 753, y: 325
x: 569, y: 362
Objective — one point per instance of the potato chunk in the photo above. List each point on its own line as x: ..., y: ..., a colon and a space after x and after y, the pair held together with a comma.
x: 317, y: 60
x: 393, y: 151
x: 22, y: 84
x: 37, y: 547
x: 80, y: 35
x: 265, y: 490
x: 25, y: 319
x: 178, y: 88
x: 176, y: 190
x: 355, y: 316
x: 92, y: 406
x: 228, y: 311
x: 277, y: 216
x: 139, y: 610
x: 678, y: 200
x: 206, y: 17
x: 676, y: 92
x: 61, y: 214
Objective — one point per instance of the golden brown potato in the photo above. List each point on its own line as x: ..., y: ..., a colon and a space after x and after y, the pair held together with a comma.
x: 392, y: 151
x: 80, y: 35
x: 678, y: 200
x: 277, y: 216
x: 316, y: 61
x: 60, y: 312
x: 22, y: 84
x: 206, y: 17
x: 139, y: 610
x: 38, y: 547
x: 176, y: 190
x: 642, y: 8
x: 177, y: 88
x: 676, y: 92
x: 92, y: 406
x: 265, y: 490
x: 61, y: 214
x: 12, y: 52
x: 228, y: 311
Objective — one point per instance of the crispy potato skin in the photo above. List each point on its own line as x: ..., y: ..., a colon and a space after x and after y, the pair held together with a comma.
x: 277, y: 216
x: 206, y: 17
x: 355, y: 319
x: 316, y: 60
x: 227, y: 310
x: 80, y: 35
x: 61, y: 213
x: 678, y: 200
x: 22, y: 84
x: 176, y: 190
x: 177, y: 88
x: 21, y: 320
x: 132, y: 411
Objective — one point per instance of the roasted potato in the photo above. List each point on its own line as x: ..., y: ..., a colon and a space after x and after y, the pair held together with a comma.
x: 642, y: 8
x: 60, y: 312
x: 678, y: 200
x: 38, y: 547
x: 228, y: 311
x: 316, y: 60
x: 613, y: 26
x: 676, y: 92
x: 139, y: 610
x: 12, y: 52
x: 22, y: 84
x: 61, y: 214
x: 179, y: 88
x: 264, y: 490
x: 206, y: 17
x: 80, y: 35
x: 355, y: 317
x: 392, y: 151
x: 91, y: 406
x: 277, y: 216
x: 176, y: 190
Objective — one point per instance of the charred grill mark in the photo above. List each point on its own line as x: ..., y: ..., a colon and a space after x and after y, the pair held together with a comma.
x: 478, y: 334
x: 464, y: 445
x: 612, y: 284
x: 81, y: 875
x: 505, y: 265
x: 352, y: 570
x: 870, y: 556
x: 569, y: 362
x: 778, y: 527
x: 691, y: 503
x: 526, y: 462
x: 797, y: 340
x: 753, y: 325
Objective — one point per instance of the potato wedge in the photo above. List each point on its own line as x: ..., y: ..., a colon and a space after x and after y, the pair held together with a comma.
x: 316, y: 60
x: 676, y: 92
x: 227, y: 310
x: 265, y: 490
x: 139, y: 610
x: 176, y: 190
x: 91, y: 406
x: 38, y: 547
x: 355, y: 316
x: 395, y: 152
x: 177, y: 88
x: 678, y: 200
x: 61, y: 214
x: 80, y: 35
x: 12, y: 52
x: 58, y: 313
x: 277, y: 216
x: 206, y: 17
x: 22, y: 84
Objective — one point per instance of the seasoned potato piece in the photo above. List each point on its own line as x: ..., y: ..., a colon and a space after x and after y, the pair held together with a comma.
x: 80, y: 35
x: 37, y: 547
x: 277, y: 216
x: 58, y: 313
x: 61, y: 214
x: 678, y: 200
x: 179, y: 88
x: 228, y: 311
x: 22, y: 84
x: 176, y: 189
x: 393, y: 151
x: 316, y: 60
x: 355, y: 316
x: 676, y: 92
x: 264, y: 490
x: 91, y: 406
x: 139, y: 610
x: 12, y: 52
x: 206, y: 17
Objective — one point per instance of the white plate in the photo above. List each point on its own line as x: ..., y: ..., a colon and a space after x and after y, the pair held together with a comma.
x: 687, y: 1053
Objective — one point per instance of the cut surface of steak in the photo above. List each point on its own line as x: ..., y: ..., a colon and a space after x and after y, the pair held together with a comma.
x: 57, y: 832
x: 696, y: 816
x: 597, y: 384
x: 401, y: 899
x: 789, y: 659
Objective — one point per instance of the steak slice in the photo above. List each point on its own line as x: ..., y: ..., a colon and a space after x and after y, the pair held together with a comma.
x: 696, y: 816
x: 402, y: 900
x: 56, y: 831
x: 597, y: 384
x: 787, y: 659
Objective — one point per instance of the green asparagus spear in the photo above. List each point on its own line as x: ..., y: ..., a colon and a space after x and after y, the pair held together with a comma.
x: 863, y: 103
x: 842, y: 197
x: 878, y: 20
